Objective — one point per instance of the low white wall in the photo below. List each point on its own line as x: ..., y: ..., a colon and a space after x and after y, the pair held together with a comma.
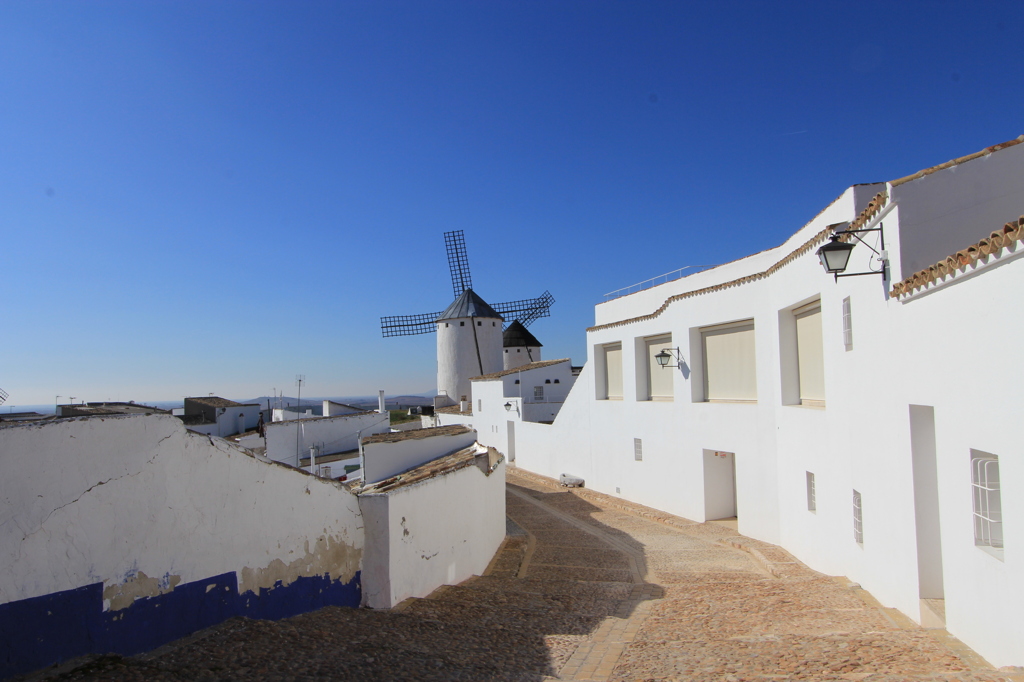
x: 384, y: 460
x: 122, y: 533
x: 437, y: 532
x: 337, y: 434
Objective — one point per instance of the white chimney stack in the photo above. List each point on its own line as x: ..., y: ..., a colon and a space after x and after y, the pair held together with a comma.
x: 380, y: 401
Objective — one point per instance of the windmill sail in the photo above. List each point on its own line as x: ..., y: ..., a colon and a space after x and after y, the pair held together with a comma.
x: 458, y: 262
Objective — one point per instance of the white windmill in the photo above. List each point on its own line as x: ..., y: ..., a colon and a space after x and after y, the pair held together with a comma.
x: 469, y: 331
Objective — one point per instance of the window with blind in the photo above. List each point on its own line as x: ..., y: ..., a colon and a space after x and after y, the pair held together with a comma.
x: 659, y: 379
x: 730, y: 370
x: 613, y: 371
x: 810, y: 358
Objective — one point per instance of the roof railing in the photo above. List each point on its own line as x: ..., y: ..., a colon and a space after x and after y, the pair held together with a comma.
x: 655, y: 281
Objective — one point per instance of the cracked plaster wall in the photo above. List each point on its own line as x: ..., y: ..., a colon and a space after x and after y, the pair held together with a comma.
x: 141, y: 505
x: 436, y: 532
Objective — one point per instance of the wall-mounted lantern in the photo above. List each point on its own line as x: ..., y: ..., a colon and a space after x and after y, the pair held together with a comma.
x: 668, y: 354
x: 508, y: 407
x: 835, y: 256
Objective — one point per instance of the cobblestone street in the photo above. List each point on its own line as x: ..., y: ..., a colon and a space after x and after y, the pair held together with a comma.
x: 587, y: 587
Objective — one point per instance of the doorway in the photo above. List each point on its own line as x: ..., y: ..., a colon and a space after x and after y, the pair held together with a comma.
x: 719, y: 485
x: 926, y: 515
x: 511, y: 441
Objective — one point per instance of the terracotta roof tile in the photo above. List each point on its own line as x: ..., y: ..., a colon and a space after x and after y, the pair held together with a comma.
x: 443, y: 465
x: 453, y: 409
x: 956, y: 162
x: 1012, y: 232
x: 873, y: 207
x: 522, y: 368
x: 416, y: 434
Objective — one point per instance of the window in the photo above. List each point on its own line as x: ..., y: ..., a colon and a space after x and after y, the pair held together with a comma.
x: 810, y: 359
x: 812, y: 502
x: 547, y: 381
x: 538, y: 393
x: 847, y: 325
x: 659, y: 379
x: 729, y: 365
x: 462, y: 324
x: 479, y: 405
x: 517, y: 381
x: 858, y: 519
x: 613, y: 371
x: 988, y: 507
x: 479, y: 323
x: 638, y: 450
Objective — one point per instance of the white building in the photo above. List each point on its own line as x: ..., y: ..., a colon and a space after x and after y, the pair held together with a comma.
x: 219, y: 416
x: 867, y: 424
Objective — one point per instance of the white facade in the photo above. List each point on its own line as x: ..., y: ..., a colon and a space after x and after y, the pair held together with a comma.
x: 437, y: 531
x: 289, y: 441
x: 788, y: 376
x: 466, y: 347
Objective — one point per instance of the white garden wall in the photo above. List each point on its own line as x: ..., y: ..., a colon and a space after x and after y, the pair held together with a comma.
x: 289, y: 441
x: 439, y: 531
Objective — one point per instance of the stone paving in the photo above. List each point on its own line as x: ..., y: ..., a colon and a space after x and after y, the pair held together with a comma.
x: 586, y: 587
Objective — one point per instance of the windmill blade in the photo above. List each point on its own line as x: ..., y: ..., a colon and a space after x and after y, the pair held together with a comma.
x: 409, y: 325
x: 458, y: 262
x: 3, y: 396
x: 527, y: 310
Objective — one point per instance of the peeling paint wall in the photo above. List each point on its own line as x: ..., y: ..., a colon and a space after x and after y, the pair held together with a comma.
x: 437, y: 532
x: 118, y: 534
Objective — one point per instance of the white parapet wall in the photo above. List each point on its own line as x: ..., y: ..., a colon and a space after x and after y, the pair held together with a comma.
x: 122, y: 533
x: 440, y: 528
x: 388, y: 454
x: 289, y: 441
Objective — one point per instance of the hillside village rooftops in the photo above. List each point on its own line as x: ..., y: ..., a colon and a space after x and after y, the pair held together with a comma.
x: 214, y: 401
x: 96, y: 409
x: 468, y: 304
x: 416, y: 434
x: 523, y: 368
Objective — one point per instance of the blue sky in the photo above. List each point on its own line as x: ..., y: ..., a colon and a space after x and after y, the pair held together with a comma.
x: 203, y: 197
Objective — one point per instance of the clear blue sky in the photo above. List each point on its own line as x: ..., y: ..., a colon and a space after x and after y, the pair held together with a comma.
x: 203, y: 197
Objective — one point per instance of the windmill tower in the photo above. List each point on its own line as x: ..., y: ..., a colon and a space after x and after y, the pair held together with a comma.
x: 469, y: 331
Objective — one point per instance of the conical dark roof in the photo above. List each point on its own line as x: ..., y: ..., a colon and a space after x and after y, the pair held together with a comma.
x: 518, y: 335
x: 468, y: 304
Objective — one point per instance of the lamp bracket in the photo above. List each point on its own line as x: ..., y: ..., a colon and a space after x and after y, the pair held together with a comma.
x: 881, y: 252
x: 675, y: 354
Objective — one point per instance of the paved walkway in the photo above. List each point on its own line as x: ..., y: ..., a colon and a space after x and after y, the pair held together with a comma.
x: 588, y: 587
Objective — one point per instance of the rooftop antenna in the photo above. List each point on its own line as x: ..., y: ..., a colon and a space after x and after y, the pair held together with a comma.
x: 299, y: 379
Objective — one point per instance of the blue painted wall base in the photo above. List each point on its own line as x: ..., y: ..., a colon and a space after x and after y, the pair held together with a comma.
x: 42, y: 631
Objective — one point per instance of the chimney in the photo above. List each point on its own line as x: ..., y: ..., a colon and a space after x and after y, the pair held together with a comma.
x: 380, y: 401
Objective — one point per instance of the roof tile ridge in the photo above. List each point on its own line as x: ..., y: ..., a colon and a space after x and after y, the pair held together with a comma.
x: 1011, y: 232
x: 957, y: 161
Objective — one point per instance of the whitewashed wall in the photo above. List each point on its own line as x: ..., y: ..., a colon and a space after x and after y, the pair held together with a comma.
x: 440, y: 531
x: 106, y: 519
x: 384, y: 460
x: 337, y: 434
x: 949, y: 350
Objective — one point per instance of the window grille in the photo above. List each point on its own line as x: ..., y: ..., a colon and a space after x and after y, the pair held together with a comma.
x: 988, y: 508
x: 538, y: 393
x: 858, y: 519
x: 812, y: 502
x: 847, y: 325
x: 638, y: 450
